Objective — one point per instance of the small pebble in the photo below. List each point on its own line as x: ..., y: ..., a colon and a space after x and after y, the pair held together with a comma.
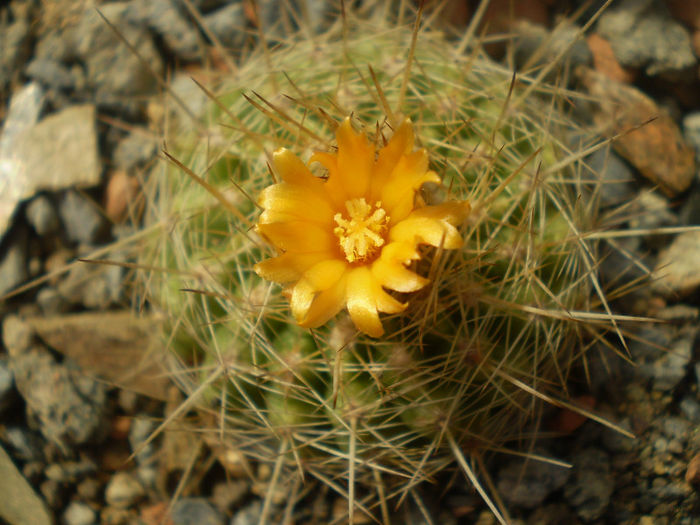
x: 42, y: 216
x: 526, y: 483
x: 79, y: 514
x: 591, y: 485
x: 123, y: 490
x: 248, y: 515
x: 81, y: 217
x: 195, y: 511
x: 692, y: 474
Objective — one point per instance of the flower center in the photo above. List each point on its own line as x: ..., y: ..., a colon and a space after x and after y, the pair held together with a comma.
x: 362, y: 232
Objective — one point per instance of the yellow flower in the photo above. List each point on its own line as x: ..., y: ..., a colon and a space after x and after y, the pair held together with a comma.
x: 343, y: 240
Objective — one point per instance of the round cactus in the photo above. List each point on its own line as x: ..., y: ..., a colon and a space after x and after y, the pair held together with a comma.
x: 496, y: 325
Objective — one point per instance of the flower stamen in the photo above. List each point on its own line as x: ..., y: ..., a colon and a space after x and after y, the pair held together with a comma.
x: 362, y: 233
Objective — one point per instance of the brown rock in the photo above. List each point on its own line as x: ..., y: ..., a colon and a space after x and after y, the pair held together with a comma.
x: 692, y: 475
x: 114, y: 346
x: 120, y: 194
x: 685, y: 11
x: 604, y: 60
x: 644, y: 134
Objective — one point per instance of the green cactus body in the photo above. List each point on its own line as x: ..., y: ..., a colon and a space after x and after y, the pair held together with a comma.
x: 497, y: 314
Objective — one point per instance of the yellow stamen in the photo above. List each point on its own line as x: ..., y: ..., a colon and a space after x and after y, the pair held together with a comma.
x: 362, y: 233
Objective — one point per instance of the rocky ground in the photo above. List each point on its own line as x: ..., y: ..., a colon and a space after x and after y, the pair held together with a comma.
x: 76, y: 103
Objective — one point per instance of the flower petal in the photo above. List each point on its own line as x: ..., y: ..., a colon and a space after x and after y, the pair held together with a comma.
x: 318, y: 278
x: 335, y: 191
x: 299, y: 236
x: 361, y: 301
x: 355, y: 160
x: 390, y: 271
x: 386, y: 303
x: 294, y: 171
x: 326, y: 305
x: 398, y: 194
x: 296, y: 200
x: 433, y: 225
x: 289, y: 266
x: 399, y: 144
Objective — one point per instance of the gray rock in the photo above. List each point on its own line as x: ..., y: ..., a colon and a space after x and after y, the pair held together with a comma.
x: 79, y: 514
x: 136, y: 149
x: 7, y: 385
x: 51, y: 302
x: 690, y: 409
x: 120, y: 79
x: 643, y: 34
x: 195, y: 511
x: 669, y: 369
x: 676, y: 428
x: 589, y: 489
x: 58, y: 152
x: 53, y: 74
x: 22, y: 115
x: 70, y: 471
x: 228, y: 25
x: 615, y: 442
x: 650, y: 342
x: 677, y: 272
x: 165, y: 19
x: 82, y: 221
x: 123, y: 490
x: 536, y: 46
x: 651, y: 210
x: 68, y: 406
x: 141, y: 429
x: 615, y: 176
x: 228, y: 494
x: 13, y: 264
x: 527, y: 483
x: 41, y: 214
x: 313, y: 13
x: 248, y: 515
x: 184, y: 87
x: 24, y: 444
x: 93, y: 286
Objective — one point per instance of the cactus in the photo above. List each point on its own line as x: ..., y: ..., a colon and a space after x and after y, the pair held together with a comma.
x: 459, y: 373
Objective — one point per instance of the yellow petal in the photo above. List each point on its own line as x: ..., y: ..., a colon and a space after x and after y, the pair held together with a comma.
x: 326, y: 305
x: 289, y: 266
x: 355, y: 160
x: 334, y: 189
x: 454, y: 212
x: 390, y: 271
x: 296, y: 200
x: 320, y: 277
x: 299, y: 236
x: 361, y: 301
x: 302, y: 297
x: 386, y: 303
x: 398, y: 194
x: 325, y: 274
x: 426, y: 230
x: 294, y: 171
x: 400, y: 144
